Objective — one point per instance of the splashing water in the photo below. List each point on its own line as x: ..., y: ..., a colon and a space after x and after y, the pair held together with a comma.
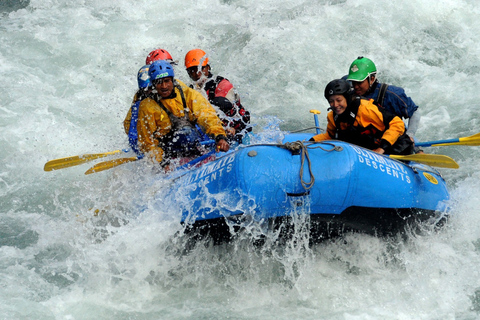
x: 76, y: 247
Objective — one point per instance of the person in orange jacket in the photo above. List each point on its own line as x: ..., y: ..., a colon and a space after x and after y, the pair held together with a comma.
x: 166, y: 120
x: 361, y: 122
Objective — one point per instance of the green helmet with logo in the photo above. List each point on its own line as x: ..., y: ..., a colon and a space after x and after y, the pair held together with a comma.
x: 361, y: 69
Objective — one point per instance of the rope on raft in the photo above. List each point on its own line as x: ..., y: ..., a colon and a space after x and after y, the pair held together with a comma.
x: 299, y: 147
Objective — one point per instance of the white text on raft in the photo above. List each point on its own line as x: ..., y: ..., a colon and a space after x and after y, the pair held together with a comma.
x: 385, y: 165
x: 212, y: 171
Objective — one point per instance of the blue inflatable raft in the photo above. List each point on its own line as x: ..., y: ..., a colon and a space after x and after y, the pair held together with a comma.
x: 340, y: 186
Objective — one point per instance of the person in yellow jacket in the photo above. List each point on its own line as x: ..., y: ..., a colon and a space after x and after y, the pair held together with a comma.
x: 166, y: 121
x: 361, y: 122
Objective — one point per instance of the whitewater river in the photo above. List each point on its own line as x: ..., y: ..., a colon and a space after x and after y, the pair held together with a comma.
x: 67, y: 77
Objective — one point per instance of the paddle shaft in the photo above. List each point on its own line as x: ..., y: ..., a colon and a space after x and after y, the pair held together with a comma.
x: 84, y: 158
x: 430, y: 143
x: 102, y: 166
x: 473, y: 140
x: 315, y: 117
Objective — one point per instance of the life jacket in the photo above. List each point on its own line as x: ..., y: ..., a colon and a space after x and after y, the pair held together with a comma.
x: 236, y: 115
x: 392, y: 99
x: 184, y: 137
x: 132, y: 131
x: 182, y: 140
x: 404, y: 144
x: 368, y: 137
x: 381, y: 95
x: 210, y: 87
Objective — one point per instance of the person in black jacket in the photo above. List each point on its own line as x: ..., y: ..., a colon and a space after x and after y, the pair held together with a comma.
x: 220, y: 93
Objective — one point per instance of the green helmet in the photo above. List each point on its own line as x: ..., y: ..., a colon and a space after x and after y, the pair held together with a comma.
x: 360, y: 69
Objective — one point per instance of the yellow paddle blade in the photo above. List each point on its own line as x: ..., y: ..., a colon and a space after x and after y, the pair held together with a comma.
x: 109, y: 164
x: 465, y: 141
x: 75, y: 160
x: 434, y: 160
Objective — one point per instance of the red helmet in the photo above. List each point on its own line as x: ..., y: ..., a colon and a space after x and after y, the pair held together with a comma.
x: 195, y: 57
x: 158, y: 54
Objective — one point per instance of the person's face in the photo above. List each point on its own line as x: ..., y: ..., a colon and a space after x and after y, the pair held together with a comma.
x: 361, y: 87
x: 196, y: 74
x: 164, y: 86
x: 338, y: 103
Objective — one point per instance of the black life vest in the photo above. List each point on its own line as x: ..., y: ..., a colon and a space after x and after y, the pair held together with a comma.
x: 365, y: 137
x: 381, y: 95
x: 211, y: 86
x: 241, y: 123
x: 368, y: 137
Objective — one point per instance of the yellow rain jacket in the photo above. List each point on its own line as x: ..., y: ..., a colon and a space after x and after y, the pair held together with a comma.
x: 153, y: 121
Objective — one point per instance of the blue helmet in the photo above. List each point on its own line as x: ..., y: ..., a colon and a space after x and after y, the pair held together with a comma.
x: 143, y: 78
x: 160, y: 69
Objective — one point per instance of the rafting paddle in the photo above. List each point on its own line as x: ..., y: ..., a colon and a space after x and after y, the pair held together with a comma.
x: 464, y: 141
x: 434, y: 160
x: 102, y: 166
x: 77, y: 160
x: 84, y: 158
x: 110, y: 164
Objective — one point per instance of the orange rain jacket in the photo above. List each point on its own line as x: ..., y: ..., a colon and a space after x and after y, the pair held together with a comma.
x: 383, y: 128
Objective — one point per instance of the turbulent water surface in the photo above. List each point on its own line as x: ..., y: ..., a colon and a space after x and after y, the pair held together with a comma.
x: 74, y: 246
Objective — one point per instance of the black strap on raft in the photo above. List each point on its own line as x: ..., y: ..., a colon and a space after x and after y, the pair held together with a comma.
x: 381, y: 94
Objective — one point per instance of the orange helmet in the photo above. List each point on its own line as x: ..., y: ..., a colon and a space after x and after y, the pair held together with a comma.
x: 194, y: 57
x: 158, y: 54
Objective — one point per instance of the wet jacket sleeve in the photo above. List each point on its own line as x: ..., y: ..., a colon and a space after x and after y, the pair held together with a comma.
x: 126, y: 122
x: 393, y: 126
x: 331, y: 129
x: 203, y: 112
x: 152, y: 122
x: 413, y: 123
